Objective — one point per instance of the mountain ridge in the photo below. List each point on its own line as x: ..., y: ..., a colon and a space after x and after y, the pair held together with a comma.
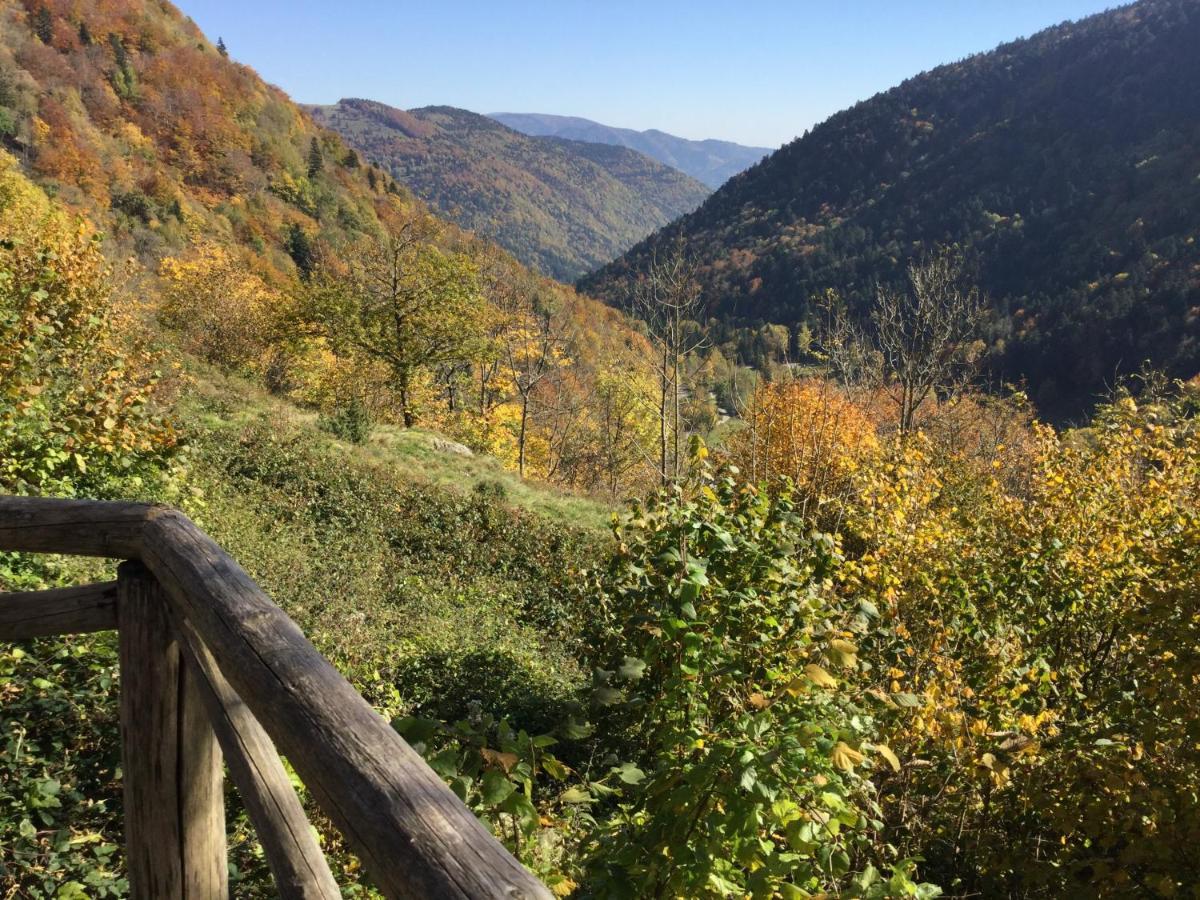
x: 1062, y: 164
x: 561, y: 206
x: 711, y: 160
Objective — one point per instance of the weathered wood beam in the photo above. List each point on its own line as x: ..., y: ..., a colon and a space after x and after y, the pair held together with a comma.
x: 77, y: 527
x: 173, y: 801
x: 292, y: 851
x: 414, y: 836
x: 73, y: 610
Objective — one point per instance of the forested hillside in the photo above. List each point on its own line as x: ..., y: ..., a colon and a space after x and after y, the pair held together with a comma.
x: 878, y: 634
x: 1064, y: 165
x: 563, y: 207
x: 710, y: 161
x: 245, y: 226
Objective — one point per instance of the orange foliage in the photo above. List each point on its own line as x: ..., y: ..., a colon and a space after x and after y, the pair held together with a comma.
x: 807, y: 431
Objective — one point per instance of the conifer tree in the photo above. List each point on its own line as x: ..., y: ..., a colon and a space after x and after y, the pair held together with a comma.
x: 316, y: 161
x: 300, y: 249
x: 221, y: 48
x: 43, y: 25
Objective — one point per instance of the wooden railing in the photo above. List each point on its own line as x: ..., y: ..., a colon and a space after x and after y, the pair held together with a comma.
x: 212, y: 668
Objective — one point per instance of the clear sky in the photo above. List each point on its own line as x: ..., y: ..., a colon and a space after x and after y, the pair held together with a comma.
x: 754, y: 71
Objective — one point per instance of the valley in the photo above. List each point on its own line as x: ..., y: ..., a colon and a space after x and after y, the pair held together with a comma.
x: 705, y: 521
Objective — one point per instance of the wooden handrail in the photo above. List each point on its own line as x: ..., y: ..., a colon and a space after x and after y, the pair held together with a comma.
x: 73, y: 610
x: 414, y: 836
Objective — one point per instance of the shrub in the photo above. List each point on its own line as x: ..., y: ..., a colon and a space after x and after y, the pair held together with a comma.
x: 750, y: 758
x: 350, y: 422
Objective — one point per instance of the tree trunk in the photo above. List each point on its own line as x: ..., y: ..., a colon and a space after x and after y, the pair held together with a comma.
x: 521, y: 437
x: 404, y: 389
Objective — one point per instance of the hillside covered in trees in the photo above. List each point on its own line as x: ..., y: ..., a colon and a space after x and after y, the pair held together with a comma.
x: 880, y: 634
x: 561, y: 206
x: 1065, y: 167
x: 710, y: 161
x: 244, y: 226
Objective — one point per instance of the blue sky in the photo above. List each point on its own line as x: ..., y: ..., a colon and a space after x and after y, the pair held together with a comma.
x: 755, y: 71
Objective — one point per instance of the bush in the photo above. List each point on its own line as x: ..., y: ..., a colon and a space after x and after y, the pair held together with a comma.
x: 350, y: 422
x: 1043, y: 633
x: 750, y: 759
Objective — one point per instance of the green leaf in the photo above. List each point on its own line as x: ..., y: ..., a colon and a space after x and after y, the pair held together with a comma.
x: 495, y: 788
x: 606, y: 696
x: 630, y: 774
x: 748, y: 779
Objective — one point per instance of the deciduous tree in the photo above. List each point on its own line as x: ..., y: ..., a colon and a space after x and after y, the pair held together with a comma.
x: 400, y: 300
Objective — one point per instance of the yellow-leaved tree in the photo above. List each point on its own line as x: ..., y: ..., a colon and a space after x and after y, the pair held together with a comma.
x: 77, y: 409
x: 1039, y: 653
x: 806, y: 431
x: 225, y: 312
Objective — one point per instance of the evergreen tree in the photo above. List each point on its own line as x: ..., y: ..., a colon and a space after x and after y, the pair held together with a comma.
x: 85, y: 36
x: 221, y: 48
x: 371, y: 179
x: 316, y: 161
x: 299, y: 248
x: 350, y: 161
x: 43, y: 25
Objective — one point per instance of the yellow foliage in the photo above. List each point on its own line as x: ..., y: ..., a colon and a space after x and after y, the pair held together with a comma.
x: 76, y: 395
x: 1048, y: 638
x: 224, y: 311
x: 806, y: 431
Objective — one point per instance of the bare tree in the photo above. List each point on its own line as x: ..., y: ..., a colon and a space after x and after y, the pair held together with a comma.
x: 845, y: 348
x: 667, y: 298
x: 923, y: 331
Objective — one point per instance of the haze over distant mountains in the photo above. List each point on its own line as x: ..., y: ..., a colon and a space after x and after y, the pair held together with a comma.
x: 1064, y: 165
x: 711, y: 161
x: 559, y: 205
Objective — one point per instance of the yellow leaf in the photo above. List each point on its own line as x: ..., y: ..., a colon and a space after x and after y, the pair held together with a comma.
x: 886, y: 752
x: 844, y: 652
x: 819, y: 676
x: 563, y: 888
x: 845, y: 757
x: 758, y: 701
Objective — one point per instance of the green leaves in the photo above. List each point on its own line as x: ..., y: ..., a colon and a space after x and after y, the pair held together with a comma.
x: 717, y: 599
x: 495, y: 788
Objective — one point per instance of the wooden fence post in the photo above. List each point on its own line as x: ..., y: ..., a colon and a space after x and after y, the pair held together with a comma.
x: 174, y: 806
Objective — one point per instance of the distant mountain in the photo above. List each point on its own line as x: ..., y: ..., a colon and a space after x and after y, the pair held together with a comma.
x: 713, y: 162
x: 1066, y: 165
x: 562, y: 206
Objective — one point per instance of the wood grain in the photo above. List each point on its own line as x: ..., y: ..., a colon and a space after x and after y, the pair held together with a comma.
x: 74, y: 610
x: 173, y: 801
x: 295, y: 857
x: 77, y: 527
x: 414, y: 836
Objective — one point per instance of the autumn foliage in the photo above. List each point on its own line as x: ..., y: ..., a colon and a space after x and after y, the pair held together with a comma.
x: 808, y: 432
x: 77, y: 392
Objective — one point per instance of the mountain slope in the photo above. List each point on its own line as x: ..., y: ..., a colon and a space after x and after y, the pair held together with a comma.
x: 562, y: 206
x: 712, y: 162
x: 1065, y: 165
x: 128, y: 113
